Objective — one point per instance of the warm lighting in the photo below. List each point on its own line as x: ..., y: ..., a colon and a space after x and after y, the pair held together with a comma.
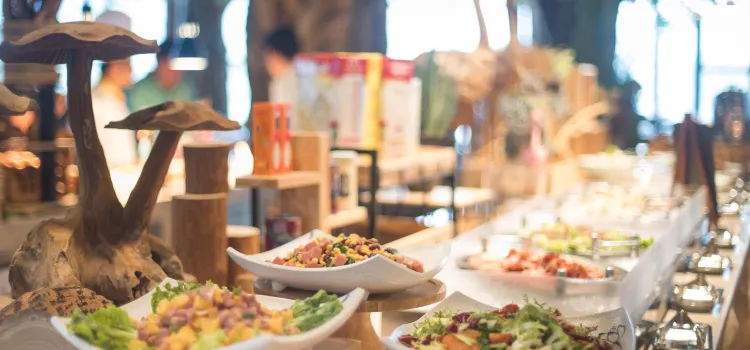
x: 186, y: 54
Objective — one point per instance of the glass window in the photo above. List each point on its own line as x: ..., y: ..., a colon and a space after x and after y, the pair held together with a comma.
x: 148, y: 20
x: 418, y: 26
x: 234, y: 34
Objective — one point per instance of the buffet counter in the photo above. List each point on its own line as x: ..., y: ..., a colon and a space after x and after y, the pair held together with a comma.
x: 649, y: 276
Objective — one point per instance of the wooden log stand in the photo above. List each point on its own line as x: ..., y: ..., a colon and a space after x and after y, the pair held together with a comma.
x: 246, y: 239
x: 359, y: 327
x: 200, y: 222
x: 206, y: 168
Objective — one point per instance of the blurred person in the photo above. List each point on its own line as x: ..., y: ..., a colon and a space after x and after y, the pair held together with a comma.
x: 626, y: 123
x: 110, y: 102
x: 162, y: 85
x: 279, y: 49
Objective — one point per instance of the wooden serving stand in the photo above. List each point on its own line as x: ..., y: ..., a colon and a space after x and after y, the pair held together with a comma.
x: 359, y: 327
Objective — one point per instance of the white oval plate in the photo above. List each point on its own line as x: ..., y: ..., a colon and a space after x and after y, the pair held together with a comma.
x: 141, y: 307
x: 615, y: 325
x: 377, y: 274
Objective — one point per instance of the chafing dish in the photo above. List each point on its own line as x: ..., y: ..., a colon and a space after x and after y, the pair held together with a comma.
x: 682, y: 333
x: 710, y: 261
x: 697, y: 295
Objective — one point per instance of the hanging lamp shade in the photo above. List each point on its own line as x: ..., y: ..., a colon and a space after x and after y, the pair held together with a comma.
x: 186, y: 53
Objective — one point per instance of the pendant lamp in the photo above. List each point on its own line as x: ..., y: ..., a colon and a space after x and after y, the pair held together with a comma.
x: 186, y: 53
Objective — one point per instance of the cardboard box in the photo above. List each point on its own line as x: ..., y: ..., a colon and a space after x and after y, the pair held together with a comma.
x: 400, y: 106
x: 316, y: 103
x: 286, y: 137
x: 361, y: 75
x: 267, y: 138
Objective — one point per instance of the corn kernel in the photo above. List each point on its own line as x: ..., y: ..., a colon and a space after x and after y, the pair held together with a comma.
x: 202, y: 304
x: 163, y: 307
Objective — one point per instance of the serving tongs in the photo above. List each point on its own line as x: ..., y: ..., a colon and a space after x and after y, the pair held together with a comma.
x: 697, y: 295
x: 709, y: 262
x: 682, y: 333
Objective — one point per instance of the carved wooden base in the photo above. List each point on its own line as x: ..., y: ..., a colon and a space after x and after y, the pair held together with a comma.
x: 51, y: 257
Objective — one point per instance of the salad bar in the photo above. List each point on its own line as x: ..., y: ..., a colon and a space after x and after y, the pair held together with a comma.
x: 535, y: 278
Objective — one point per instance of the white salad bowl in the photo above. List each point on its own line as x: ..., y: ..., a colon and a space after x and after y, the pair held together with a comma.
x: 376, y: 275
x: 615, y: 326
x: 141, y: 307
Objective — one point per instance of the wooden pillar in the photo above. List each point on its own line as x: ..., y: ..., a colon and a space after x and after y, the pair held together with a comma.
x: 199, y: 224
x: 207, y: 168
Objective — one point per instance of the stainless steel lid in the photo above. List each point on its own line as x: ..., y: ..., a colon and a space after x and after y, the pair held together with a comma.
x: 682, y: 333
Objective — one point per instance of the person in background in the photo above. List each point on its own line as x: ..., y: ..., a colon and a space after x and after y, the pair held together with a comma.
x: 110, y: 103
x: 162, y: 85
x: 279, y: 49
x: 626, y: 122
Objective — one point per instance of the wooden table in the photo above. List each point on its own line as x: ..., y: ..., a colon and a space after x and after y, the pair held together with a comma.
x: 359, y: 327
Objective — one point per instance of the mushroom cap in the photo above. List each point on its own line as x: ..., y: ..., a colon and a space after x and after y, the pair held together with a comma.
x: 175, y: 116
x: 51, y: 44
x: 12, y: 104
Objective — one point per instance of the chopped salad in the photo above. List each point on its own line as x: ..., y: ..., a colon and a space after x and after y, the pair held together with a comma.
x: 200, y: 317
x: 569, y: 239
x: 342, y: 250
x: 515, y: 327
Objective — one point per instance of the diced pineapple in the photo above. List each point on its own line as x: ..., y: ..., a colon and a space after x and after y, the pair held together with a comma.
x: 202, y: 304
x: 180, y: 301
x: 287, y: 315
x: 210, y: 325
x: 163, y: 307
x: 151, y: 327
x: 276, y: 325
x: 186, y: 335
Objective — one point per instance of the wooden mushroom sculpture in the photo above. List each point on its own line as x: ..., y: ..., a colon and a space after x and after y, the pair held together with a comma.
x: 171, y: 119
x: 12, y: 104
x: 93, y: 246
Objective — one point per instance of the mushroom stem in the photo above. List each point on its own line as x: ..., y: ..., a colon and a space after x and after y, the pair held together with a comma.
x: 100, y: 208
x: 142, y: 199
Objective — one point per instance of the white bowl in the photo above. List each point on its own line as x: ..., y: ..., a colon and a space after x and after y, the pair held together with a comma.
x: 615, y: 324
x: 141, y: 307
x: 377, y: 274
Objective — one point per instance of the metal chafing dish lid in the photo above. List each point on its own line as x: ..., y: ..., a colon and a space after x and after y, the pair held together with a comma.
x: 680, y: 333
x: 724, y: 238
x: 697, y: 295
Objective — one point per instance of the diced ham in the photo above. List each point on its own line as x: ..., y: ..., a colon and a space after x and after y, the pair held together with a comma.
x: 290, y: 263
x: 413, y: 264
x: 278, y: 261
x: 311, y: 244
x: 306, y: 256
x: 313, y: 265
x: 315, y: 252
x: 339, y: 260
x: 324, y: 242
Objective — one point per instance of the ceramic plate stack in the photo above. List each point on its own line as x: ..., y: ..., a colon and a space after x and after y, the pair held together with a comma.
x: 376, y: 275
x: 613, y: 326
x: 142, y: 307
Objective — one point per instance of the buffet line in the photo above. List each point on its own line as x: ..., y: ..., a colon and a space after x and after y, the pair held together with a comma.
x: 599, y: 267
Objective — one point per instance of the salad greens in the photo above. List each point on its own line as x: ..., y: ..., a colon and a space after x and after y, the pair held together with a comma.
x: 171, y: 291
x: 577, y: 240
x: 315, y: 310
x: 532, y: 326
x: 107, y: 328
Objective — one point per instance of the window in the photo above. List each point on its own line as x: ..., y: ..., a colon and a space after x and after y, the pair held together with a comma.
x: 148, y: 20
x: 418, y: 26
x: 234, y: 34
